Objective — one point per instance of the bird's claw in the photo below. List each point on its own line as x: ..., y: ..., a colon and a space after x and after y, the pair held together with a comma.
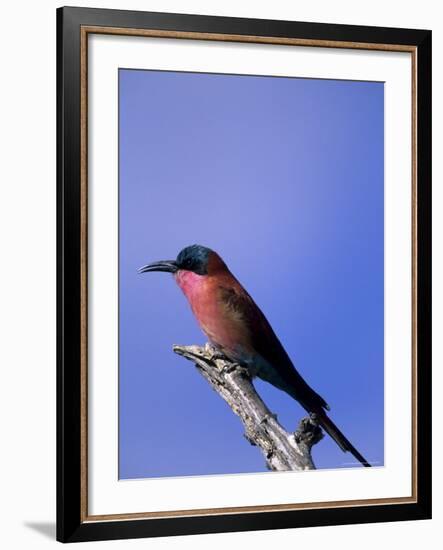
x: 230, y: 367
x: 217, y: 355
x: 214, y: 352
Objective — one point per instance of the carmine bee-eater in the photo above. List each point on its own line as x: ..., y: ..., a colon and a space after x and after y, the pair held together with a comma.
x: 236, y: 326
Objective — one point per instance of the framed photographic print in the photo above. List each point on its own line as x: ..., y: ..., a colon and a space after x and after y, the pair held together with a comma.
x: 244, y: 274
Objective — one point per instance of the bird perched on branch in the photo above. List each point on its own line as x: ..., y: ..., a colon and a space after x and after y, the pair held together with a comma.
x: 236, y: 326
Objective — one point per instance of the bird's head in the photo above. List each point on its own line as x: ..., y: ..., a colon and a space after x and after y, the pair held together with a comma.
x: 195, y: 258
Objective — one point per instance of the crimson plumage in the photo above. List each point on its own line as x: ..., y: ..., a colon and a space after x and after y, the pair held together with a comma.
x: 236, y: 326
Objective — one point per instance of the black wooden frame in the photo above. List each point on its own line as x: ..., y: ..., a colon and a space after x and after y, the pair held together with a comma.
x: 70, y: 527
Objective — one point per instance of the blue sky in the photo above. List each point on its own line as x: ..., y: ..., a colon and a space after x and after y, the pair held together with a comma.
x: 284, y: 178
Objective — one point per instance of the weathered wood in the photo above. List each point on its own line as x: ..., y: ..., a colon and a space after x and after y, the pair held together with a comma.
x: 282, y: 450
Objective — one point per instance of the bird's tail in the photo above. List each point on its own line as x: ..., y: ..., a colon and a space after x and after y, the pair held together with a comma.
x: 344, y: 444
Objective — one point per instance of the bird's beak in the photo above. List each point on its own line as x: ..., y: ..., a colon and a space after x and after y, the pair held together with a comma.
x: 169, y: 266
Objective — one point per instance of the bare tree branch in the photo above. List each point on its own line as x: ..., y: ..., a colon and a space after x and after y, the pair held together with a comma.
x: 282, y: 450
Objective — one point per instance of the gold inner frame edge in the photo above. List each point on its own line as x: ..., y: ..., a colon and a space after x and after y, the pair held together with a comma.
x: 84, y: 32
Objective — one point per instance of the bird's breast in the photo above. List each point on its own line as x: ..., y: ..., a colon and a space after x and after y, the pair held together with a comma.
x: 191, y: 283
x: 197, y: 290
x: 210, y: 312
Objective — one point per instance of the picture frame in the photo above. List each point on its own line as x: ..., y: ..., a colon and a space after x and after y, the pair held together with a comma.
x: 75, y: 26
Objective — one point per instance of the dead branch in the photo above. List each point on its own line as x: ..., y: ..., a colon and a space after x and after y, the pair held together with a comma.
x: 283, y: 451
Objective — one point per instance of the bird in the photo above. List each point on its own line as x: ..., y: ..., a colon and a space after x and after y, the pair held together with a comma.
x: 237, y: 328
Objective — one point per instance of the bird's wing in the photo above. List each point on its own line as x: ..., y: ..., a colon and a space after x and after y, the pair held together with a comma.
x: 262, y: 339
x: 252, y: 323
x: 254, y: 326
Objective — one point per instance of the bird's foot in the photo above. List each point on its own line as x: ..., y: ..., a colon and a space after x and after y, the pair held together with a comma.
x: 218, y: 355
x: 215, y: 353
x: 231, y: 367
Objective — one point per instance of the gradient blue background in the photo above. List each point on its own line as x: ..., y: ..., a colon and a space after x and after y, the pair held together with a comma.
x: 284, y: 178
